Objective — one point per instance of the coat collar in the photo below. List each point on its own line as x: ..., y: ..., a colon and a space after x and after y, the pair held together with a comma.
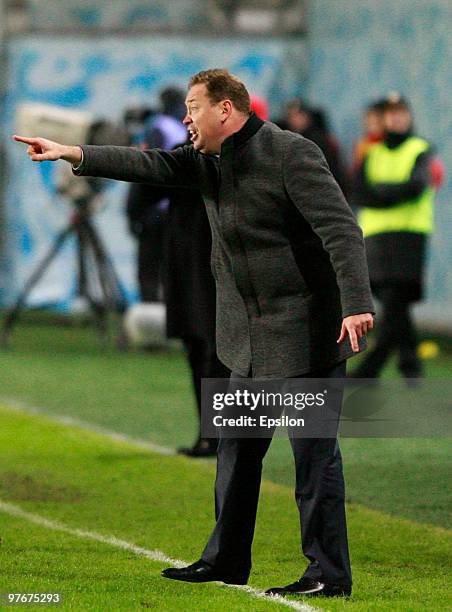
x: 239, y: 138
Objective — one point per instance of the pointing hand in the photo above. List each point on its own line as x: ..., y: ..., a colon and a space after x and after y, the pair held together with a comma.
x: 41, y: 149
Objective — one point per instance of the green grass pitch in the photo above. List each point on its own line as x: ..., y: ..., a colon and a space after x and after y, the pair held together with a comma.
x: 397, y: 490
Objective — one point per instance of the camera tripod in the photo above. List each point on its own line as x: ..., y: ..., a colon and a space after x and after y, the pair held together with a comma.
x: 110, y: 295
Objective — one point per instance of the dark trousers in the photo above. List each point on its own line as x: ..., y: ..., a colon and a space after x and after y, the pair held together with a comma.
x: 204, y: 363
x: 396, y: 332
x: 319, y: 494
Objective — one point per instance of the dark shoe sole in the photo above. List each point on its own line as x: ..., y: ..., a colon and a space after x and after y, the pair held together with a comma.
x: 322, y: 593
x: 240, y: 581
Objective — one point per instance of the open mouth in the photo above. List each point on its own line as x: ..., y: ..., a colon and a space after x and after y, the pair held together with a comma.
x: 193, y: 135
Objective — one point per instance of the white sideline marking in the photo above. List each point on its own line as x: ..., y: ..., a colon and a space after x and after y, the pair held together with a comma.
x: 91, y: 427
x: 153, y: 555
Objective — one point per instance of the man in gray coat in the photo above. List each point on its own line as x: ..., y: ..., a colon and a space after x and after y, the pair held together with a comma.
x: 293, y: 299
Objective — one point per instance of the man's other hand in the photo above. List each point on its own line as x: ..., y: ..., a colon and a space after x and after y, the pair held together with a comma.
x: 41, y: 149
x: 355, y: 326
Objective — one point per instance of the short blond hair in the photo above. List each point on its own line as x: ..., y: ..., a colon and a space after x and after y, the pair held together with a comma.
x: 222, y: 85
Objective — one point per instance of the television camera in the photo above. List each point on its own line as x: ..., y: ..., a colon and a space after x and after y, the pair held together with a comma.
x: 97, y: 282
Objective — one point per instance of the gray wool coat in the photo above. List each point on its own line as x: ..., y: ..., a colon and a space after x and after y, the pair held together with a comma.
x: 287, y: 255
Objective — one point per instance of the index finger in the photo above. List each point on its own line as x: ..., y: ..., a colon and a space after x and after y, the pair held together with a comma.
x: 353, y: 340
x: 24, y: 139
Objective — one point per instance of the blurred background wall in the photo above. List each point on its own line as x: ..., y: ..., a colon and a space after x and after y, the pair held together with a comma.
x: 103, y: 56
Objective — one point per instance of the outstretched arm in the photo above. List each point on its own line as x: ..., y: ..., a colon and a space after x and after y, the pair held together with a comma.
x: 156, y: 167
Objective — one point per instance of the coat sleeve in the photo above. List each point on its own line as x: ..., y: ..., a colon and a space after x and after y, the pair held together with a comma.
x: 313, y: 190
x: 157, y: 167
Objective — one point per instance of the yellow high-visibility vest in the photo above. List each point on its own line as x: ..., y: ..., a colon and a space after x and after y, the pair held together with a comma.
x: 385, y: 165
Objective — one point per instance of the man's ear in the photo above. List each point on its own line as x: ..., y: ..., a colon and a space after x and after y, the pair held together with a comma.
x: 226, y: 110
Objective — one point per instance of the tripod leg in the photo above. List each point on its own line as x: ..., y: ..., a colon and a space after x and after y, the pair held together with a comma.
x: 111, y: 286
x: 96, y: 306
x: 14, y: 311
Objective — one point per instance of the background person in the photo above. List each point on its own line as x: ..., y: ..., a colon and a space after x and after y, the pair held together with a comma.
x: 373, y: 124
x: 394, y: 192
x: 147, y: 206
x: 312, y: 123
x: 190, y: 298
x: 174, y: 250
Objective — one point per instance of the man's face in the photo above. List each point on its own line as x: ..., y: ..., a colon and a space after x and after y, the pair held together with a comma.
x: 204, y: 120
x: 297, y: 120
x: 373, y: 123
x: 397, y: 120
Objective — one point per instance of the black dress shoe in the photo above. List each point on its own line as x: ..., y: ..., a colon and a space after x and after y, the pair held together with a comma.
x: 201, y: 572
x: 204, y: 447
x: 312, y: 588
